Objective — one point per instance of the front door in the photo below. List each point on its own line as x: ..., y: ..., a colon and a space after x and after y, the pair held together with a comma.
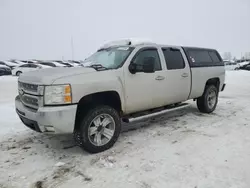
x: 142, y: 89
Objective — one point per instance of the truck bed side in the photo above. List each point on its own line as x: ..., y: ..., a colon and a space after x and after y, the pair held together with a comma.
x: 203, y: 68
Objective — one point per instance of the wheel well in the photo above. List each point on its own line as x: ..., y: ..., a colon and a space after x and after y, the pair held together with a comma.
x: 214, y: 81
x: 110, y: 98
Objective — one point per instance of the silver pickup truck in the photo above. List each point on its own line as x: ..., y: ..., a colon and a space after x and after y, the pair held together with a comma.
x: 122, y: 81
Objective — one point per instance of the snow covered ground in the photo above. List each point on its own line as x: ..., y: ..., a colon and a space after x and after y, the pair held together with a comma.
x: 182, y: 149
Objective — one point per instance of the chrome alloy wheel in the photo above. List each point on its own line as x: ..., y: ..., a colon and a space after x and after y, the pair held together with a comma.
x: 101, y: 129
x: 211, y: 99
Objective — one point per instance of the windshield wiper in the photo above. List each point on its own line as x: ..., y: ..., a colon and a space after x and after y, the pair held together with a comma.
x: 98, y: 67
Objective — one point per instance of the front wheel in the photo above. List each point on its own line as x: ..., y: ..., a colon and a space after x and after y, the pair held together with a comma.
x: 99, y: 129
x: 18, y: 73
x: 208, y: 101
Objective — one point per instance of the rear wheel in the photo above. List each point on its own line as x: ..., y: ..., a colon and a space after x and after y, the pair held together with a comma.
x: 99, y: 129
x: 208, y: 101
x: 18, y: 73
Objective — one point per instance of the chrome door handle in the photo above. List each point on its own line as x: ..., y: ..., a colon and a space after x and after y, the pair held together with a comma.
x: 160, y: 78
x: 184, y: 75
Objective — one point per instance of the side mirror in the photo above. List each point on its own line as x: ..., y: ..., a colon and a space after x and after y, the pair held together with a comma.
x: 148, y: 65
x: 132, y: 68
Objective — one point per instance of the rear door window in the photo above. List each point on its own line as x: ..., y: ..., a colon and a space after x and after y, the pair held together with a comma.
x: 173, y: 58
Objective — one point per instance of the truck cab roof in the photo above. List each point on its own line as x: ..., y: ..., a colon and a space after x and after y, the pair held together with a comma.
x: 135, y: 42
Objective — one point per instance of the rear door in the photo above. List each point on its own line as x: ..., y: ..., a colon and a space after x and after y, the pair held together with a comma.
x: 178, y: 75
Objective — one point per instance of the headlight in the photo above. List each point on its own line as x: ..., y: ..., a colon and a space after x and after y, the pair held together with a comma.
x: 57, y: 94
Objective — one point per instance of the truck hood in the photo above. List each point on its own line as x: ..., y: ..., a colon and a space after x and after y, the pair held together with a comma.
x: 48, y: 76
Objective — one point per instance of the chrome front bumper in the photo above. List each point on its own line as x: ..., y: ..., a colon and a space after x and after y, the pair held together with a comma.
x: 59, y: 120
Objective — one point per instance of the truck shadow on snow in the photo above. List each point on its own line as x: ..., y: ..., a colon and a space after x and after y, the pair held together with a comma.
x: 64, y: 144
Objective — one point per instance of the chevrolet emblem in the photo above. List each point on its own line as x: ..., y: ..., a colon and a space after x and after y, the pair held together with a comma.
x: 21, y: 91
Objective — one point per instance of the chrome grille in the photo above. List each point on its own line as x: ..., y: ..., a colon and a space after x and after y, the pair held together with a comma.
x: 30, y: 100
x: 28, y: 87
x: 31, y: 95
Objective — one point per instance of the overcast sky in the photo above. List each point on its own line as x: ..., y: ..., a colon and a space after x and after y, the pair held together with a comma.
x: 43, y: 28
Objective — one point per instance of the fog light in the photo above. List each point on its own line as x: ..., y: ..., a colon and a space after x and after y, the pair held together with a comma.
x: 49, y: 129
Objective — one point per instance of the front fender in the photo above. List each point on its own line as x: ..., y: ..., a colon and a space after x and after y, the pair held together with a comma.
x: 83, y: 85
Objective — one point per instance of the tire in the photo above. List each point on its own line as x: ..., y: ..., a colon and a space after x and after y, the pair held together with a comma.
x: 18, y: 73
x: 88, y: 142
x: 208, y: 101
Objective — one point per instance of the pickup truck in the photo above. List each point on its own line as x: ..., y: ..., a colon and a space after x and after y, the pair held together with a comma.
x: 122, y: 81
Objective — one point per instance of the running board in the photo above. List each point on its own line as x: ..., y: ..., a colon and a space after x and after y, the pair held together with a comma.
x: 152, y: 114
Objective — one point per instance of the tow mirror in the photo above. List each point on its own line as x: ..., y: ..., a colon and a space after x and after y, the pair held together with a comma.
x: 132, y: 68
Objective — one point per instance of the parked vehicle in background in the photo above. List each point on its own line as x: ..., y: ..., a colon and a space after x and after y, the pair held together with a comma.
x: 227, y: 62
x: 27, y: 68
x: 30, y: 61
x: 243, y: 66
x: 24, y: 61
x: 67, y: 64
x: 242, y: 60
x: 47, y: 63
x: 18, y: 62
x: 75, y: 63
x: 52, y: 63
x: 247, y: 67
x: 5, y: 70
x: 123, y: 81
x: 9, y: 64
x: 4, y: 66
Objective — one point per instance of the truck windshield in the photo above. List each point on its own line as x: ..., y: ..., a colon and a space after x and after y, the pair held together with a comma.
x: 110, y: 58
